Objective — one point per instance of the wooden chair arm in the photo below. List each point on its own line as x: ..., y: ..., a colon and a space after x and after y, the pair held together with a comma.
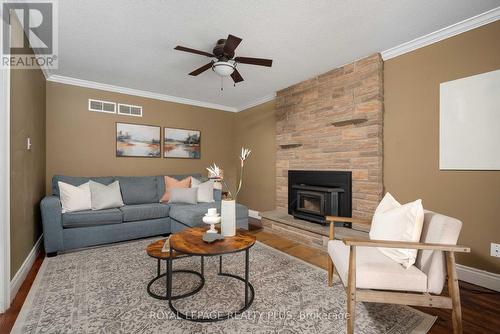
x: 404, y: 244
x: 336, y: 219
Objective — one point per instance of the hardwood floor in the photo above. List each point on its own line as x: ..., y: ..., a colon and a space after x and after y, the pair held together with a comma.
x: 479, y: 306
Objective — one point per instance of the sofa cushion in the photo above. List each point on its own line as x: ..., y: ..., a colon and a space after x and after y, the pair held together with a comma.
x: 77, y: 181
x: 75, y: 198
x: 395, y: 222
x: 171, y: 183
x: 438, y: 229
x: 374, y: 270
x: 205, y: 190
x: 105, y: 197
x: 191, y: 214
x: 139, y: 189
x: 183, y: 196
x: 91, y: 218
x: 161, y: 181
x: 144, y: 211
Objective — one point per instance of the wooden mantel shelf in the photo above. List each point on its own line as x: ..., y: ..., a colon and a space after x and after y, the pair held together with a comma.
x: 291, y: 145
x: 352, y: 121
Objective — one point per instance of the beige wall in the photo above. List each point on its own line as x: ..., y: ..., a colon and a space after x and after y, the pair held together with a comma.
x: 27, y: 178
x: 82, y: 143
x: 411, y: 138
x: 256, y: 129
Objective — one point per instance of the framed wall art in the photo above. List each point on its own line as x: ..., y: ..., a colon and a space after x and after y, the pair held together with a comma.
x: 138, y: 140
x: 181, y: 143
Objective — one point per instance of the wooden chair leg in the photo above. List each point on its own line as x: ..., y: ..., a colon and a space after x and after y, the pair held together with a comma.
x: 454, y: 292
x: 351, y: 291
x: 331, y: 269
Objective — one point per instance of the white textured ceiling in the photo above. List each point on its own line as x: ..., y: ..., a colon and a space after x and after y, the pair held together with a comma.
x: 130, y: 43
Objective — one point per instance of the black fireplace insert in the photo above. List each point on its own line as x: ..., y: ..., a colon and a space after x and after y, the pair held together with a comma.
x: 312, y: 195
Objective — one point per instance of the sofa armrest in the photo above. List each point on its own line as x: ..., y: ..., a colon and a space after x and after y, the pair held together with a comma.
x: 52, y: 224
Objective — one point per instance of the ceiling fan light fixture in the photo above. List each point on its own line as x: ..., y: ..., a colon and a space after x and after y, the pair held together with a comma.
x: 223, y: 62
x: 223, y: 68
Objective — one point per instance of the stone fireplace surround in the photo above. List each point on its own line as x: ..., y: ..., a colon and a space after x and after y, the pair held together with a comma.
x: 305, y: 114
x: 332, y: 122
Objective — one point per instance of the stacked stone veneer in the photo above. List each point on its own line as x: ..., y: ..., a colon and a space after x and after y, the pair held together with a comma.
x: 305, y: 113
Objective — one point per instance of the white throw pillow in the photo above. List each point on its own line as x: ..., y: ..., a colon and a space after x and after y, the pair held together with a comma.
x: 205, y: 190
x: 74, y: 198
x: 396, y: 222
x: 105, y: 197
x: 183, y: 196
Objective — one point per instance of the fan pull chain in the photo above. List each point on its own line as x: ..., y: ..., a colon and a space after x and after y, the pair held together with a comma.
x: 221, y: 84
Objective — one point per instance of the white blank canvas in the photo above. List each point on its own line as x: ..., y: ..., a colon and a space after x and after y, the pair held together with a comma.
x: 469, y: 126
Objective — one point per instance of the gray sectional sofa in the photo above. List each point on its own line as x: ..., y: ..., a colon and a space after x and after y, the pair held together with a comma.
x: 142, y: 216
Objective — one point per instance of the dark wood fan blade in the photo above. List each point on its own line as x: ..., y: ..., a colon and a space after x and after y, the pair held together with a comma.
x: 254, y: 61
x: 232, y: 43
x: 236, y: 76
x: 198, y: 52
x: 201, y: 69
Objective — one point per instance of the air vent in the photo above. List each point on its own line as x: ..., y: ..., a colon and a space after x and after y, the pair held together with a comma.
x: 129, y: 110
x: 102, y: 106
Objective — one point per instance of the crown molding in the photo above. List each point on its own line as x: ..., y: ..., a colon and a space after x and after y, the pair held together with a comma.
x: 137, y: 92
x: 258, y: 101
x: 447, y: 32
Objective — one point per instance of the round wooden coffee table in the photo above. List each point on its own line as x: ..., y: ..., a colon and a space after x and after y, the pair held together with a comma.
x: 190, y: 242
x: 155, y: 251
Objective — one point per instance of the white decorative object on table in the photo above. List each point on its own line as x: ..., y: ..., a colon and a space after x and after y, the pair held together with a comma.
x: 166, y: 245
x: 228, y: 205
x: 212, y: 218
x: 228, y: 223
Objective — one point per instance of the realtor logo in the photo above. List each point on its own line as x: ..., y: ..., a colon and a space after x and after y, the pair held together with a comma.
x: 29, y: 34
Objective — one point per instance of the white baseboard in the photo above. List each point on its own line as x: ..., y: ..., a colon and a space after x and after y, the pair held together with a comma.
x: 479, y: 277
x: 20, y: 276
x: 254, y: 214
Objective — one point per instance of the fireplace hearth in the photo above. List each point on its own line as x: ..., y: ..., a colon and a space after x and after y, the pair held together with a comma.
x: 312, y: 195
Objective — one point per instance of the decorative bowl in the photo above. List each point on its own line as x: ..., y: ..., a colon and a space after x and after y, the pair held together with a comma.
x: 211, y: 220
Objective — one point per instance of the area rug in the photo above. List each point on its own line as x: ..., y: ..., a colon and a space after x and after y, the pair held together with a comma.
x: 103, y: 290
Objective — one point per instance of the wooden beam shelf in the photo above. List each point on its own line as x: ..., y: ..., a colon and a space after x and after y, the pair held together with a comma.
x: 289, y: 146
x: 353, y: 121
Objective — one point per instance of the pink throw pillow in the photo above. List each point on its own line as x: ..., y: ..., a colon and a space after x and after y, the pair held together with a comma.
x: 170, y: 183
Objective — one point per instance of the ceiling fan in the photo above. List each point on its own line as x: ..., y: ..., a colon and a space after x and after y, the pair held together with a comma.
x: 226, y: 62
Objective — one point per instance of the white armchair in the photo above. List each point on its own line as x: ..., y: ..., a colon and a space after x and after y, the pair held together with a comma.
x: 370, y: 276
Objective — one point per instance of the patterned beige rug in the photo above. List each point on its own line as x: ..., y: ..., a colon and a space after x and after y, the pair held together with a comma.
x: 103, y: 290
